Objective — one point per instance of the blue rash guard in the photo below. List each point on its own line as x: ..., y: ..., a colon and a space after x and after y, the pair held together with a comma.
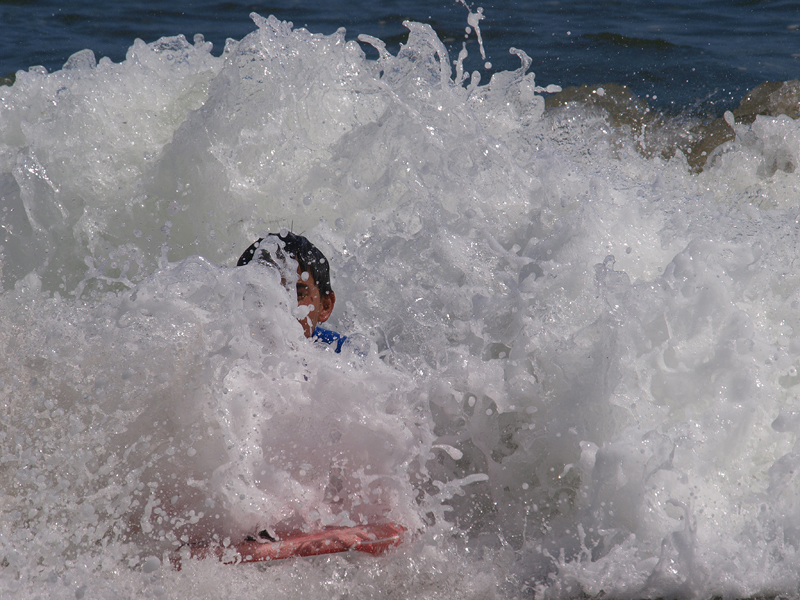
x: 329, y: 337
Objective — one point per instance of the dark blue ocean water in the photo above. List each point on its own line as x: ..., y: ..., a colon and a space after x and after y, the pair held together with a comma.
x: 682, y: 54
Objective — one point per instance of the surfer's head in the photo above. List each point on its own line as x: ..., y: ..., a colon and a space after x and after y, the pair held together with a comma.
x: 313, y: 278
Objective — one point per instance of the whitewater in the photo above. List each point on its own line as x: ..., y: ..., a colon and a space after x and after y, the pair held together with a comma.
x: 575, y: 330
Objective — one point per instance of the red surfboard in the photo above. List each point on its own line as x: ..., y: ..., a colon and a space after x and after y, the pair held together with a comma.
x: 374, y: 539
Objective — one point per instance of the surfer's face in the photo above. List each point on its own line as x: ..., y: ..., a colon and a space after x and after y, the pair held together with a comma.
x: 320, y: 306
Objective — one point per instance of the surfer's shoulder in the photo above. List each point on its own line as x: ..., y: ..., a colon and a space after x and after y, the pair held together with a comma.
x: 332, y: 338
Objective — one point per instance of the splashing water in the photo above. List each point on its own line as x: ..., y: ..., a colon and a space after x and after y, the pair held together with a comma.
x: 474, y: 19
x: 581, y: 361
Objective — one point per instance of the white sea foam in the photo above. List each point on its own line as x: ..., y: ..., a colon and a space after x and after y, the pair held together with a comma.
x: 581, y: 363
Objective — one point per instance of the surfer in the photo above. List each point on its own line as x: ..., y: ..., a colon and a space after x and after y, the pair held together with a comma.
x: 312, y: 279
x: 309, y: 271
